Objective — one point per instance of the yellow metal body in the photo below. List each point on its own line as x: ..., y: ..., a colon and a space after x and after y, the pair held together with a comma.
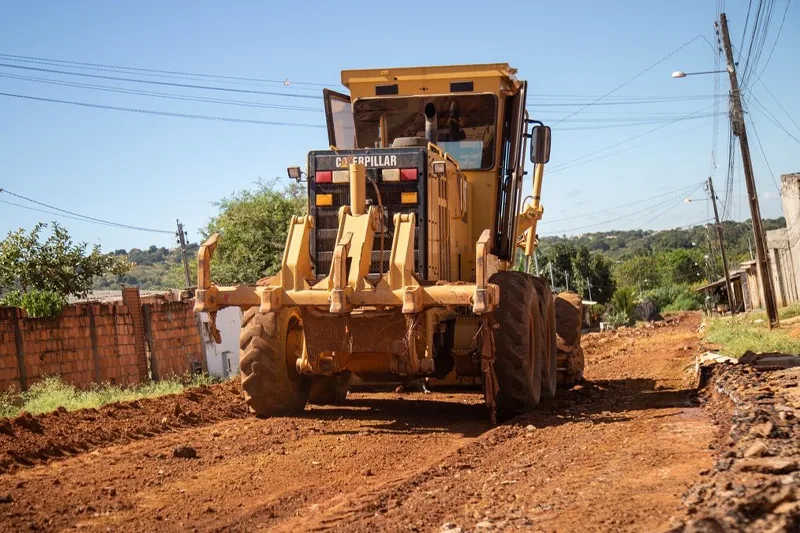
x: 388, y: 325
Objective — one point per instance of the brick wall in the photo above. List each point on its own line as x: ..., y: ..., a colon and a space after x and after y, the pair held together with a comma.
x: 90, y: 343
x: 173, y: 338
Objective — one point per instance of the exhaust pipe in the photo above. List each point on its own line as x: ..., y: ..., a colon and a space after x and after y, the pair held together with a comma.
x: 430, y: 122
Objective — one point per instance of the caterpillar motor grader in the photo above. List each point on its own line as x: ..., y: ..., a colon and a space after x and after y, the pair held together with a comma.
x: 404, y: 265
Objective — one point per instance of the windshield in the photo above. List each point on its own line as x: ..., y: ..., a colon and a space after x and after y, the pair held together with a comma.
x: 465, y: 124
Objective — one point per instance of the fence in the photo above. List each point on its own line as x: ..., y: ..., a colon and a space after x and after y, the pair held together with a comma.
x: 89, y: 343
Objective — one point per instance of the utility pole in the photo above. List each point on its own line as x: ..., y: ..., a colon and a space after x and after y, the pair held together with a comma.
x: 711, y: 261
x: 589, y: 285
x: 720, y: 240
x: 566, y: 279
x: 182, y: 240
x: 738, y: 128
x: 536, y: 262
x: 552, y: 281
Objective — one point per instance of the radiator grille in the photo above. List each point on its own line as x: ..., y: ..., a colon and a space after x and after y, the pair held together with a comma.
x: 327, y: 224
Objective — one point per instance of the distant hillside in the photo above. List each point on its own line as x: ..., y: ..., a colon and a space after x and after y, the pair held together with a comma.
x: 619, y: 245
x: 154, y: 268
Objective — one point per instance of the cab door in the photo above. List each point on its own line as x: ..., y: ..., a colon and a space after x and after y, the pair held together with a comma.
x: 339, y: 117
x: 511, y: 175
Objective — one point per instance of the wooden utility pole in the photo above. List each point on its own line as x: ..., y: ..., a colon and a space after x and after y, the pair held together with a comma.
x: 728, y: 285
x: 738, y: 128
x: 182, y: 241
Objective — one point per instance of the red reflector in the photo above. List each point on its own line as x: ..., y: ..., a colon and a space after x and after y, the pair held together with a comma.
x: 408, y: 174
x: 323, y: 176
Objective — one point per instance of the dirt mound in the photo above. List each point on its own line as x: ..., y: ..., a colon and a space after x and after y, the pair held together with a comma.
x: 755, y: 483
x: 29, y: 440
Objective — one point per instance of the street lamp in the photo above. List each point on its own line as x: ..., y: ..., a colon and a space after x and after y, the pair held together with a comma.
x: 682, y: 74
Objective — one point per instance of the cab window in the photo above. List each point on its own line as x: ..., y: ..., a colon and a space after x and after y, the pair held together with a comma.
x: 465, y: 124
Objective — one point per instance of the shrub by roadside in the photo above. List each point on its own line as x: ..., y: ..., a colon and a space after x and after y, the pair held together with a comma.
x: 739, y: 334
x: 51, y: 393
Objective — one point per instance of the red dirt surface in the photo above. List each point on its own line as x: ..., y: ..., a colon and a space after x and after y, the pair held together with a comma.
x: 614, y: 453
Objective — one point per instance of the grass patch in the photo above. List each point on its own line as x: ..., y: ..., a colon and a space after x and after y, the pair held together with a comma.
x: 737, y: 335
x: 51, y: 393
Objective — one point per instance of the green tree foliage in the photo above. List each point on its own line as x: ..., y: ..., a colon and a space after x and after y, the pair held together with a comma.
x: 252, y: 225
x: 583, y: 267
x: 30, y: 262
x: 640, y: 271
x: 35, y: 302
x: 681, y: 266
x: 620, y: 245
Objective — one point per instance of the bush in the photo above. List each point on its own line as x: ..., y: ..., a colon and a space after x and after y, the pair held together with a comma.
x: 616, y: 319
x: 684, y: 302
x: 674, y: 298
x: 36, y: 303
x: 624, y: 301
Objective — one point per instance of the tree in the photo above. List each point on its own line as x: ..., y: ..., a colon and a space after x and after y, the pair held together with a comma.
x: 28, y: 263
x: 639, y: 271
x: 591, y: 268
x: 681, y: 266
x: 253, y: 225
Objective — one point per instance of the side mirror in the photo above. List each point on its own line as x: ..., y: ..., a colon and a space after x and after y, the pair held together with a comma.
x: 540, y: 144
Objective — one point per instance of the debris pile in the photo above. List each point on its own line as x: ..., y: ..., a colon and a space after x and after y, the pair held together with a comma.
x: 755, y: 482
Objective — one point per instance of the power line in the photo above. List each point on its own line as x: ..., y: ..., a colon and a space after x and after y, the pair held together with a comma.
x: 654, y: 100
x: 764, y: 156
x: 640, y: 74
x: 671, y: 201
x: 772, y: 51
x: 777, y: 102
x: 166, y: 83
x: 761, y: 108
x: 583, y: 215
x: 564, y: 165
x: 164, y: 113
x: 154, y: 72
x: 626, y: 149
x: 84, y: 218
x: 170, y: 96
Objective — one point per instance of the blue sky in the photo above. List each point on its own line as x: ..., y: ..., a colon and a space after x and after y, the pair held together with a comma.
x: 148, y: 170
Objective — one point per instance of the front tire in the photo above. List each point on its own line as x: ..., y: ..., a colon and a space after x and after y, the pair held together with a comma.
x: 518, y: 363
x: 270, y: 345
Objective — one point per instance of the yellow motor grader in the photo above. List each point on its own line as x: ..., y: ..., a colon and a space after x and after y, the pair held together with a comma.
x: 404, y: 265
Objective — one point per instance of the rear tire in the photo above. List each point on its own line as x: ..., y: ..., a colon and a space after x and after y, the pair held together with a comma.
x: 518, y: 364
x: 569, y: 310
x: 549, y: 350
x: 330, y: 390
x: 270, y: 344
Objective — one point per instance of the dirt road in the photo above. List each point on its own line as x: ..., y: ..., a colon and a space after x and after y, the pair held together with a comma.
x: 615, y: 453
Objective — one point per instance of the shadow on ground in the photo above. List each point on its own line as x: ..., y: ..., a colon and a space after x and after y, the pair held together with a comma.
x: 452, y: 410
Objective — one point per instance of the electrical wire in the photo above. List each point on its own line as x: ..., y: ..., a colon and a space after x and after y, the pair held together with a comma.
x: 165, y: 83
x: 568, y: 164
x: 764, y: 156
x: 777, y: 102
x: 164, y: 113
x: 171, y: 96
x: 774, y: 44
x: 628, y: 148
x: 673, y: 200
x: 71, y: 214
x: 584, y: 215
x: 640, y: 74
x: 103, y: 67
x: 767, y: 113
